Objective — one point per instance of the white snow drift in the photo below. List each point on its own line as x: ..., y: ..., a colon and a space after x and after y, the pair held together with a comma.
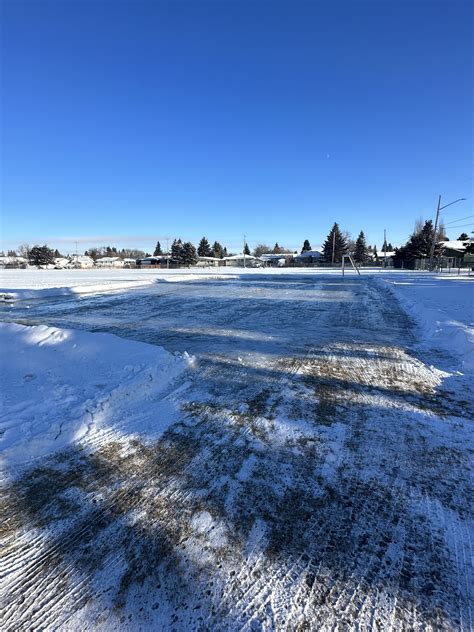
x: 61, y: 386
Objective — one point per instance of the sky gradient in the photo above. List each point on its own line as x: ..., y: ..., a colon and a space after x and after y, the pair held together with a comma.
x: 124, y: 122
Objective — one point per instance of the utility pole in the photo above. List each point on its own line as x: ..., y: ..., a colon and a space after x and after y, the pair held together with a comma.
x: 384, y: 248
x: 245, y: 243
x: 433, y: 244
x: 167, y: 253
x: 333, y: 246
x: 440, y: 208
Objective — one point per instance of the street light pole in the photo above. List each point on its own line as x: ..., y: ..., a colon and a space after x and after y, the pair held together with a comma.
x: 440, y: 208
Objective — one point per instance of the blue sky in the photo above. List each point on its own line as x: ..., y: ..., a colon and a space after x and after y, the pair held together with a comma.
x: 127, y: 121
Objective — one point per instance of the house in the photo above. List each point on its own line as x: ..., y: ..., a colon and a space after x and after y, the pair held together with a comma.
x: 241, y: 261
x: 385, y: 258
x: 62, y: 263
x: 129, y: 262
x: 155, y: 262
x: 454, y: 253
x: 309, y: 257
x: 276, y: 260
x: 209, y: 262
x: 109, y: 262
x: 81, y: 261
x: 454, y: 248
x: 13, y: 262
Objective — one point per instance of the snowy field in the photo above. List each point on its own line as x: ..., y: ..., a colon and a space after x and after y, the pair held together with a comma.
x: 268, y: 451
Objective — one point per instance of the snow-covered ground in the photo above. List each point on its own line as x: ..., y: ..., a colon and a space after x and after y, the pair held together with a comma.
x: 443, y: 307
x: 34, y: 283
x: 60, y: 386
x: 308, y: 464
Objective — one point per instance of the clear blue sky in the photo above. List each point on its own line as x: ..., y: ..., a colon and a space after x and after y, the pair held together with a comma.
x: 126, y: 121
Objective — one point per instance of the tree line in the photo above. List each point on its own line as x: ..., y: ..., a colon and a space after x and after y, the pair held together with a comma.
x: 336, y: 244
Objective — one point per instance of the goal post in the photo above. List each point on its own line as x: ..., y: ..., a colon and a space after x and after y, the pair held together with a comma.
x: 351, y: 261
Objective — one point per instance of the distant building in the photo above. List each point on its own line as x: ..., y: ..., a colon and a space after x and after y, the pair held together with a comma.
x: 81, y: 261
x: 209, y: 262
x: 309, y: 257
x: 155, y: 262
x: 109, y: 262
x: 280, y: 260
x: 386, y: 258
x: 241, y: 260
x: 13, y: 262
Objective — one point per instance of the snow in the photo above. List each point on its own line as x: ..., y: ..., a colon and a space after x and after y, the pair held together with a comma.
x: 61, y: 386
x: 34, y: 283
x: 289, y: 450
x: 443, y: 308
x: 455, y: 244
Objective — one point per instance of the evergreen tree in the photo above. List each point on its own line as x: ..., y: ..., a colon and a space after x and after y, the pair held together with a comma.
x: 463, y: 237
x: 224, y: 252
x: 334, y: 242
x: 417, y: 247
x: 177, y: 250
x: 389, y: 247
x: 41, y: 255
x: 246, y: 249
x: 188, y: 254
x: 204, y: 249
x: 158, y: 251
x: 306, y: 246
x: 376, y: 257
x: 11, y: 253
x: 217, y: 250
x: 361, y: 252
x: 57, y: 254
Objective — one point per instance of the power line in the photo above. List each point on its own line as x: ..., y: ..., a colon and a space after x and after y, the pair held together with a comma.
x: 463, y: 225
x: 459, y: 220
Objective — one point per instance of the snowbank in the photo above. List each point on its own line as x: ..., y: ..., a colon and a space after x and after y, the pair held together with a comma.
x: 60, y: 386
x: 32, y: 284
x: 443, y: 308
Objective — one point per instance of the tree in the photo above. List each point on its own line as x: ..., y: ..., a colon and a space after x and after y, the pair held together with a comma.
x: 41, y: 255
x: 217, y: 250
x: 361, y: 252
x: 277, y: 250
x: 306, y: 246
x: 441, y: 232
x: 11, y: 253
x: 204, y: 249
x: 157, y: 252
x: 463, y: 237
x: 24, y: 250
x: 177, y: 250
x: 57, y: 254
x: 335, y: 245
x: 246, y: 249
x: 188, y: 254
x: 418, y: 246
x: 260, y: 249
x: 376, y: 256
x: 389, y: 247
x: 95, y: 253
